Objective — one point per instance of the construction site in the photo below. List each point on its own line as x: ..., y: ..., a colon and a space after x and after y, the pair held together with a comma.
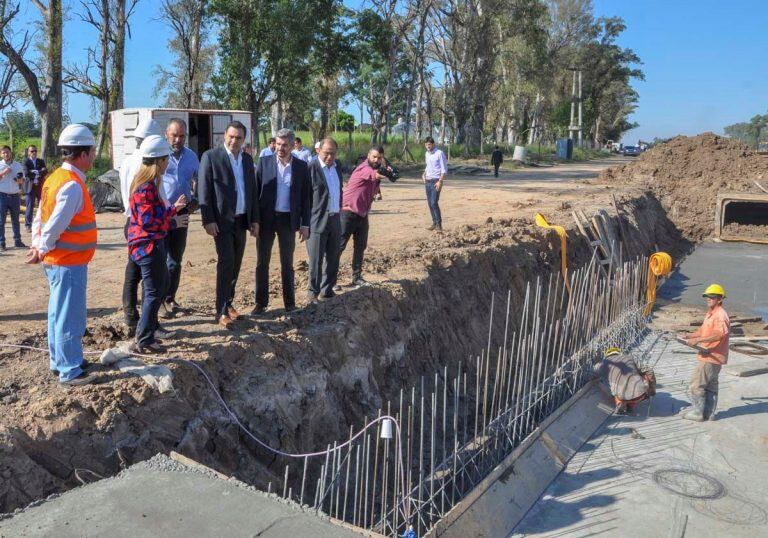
x: 454, y: 395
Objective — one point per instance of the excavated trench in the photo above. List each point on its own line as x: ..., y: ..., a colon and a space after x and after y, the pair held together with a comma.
x: 303, y: 388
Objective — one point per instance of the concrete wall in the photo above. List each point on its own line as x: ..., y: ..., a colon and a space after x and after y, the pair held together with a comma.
x: 501, y: 500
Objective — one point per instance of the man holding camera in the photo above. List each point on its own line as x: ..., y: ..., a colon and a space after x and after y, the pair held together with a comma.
x: 178, y: 180
x: 356, y: 204
x: 11, y: 179
x: 35, y: 172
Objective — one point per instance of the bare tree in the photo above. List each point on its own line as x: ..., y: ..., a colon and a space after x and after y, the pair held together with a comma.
x: 46, y: 94
x: 105, y: 85
x: 10, y: 93
x: 79, y: 78
x: 184, y: 84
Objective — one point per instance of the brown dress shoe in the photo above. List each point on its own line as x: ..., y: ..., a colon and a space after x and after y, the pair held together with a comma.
x: 233, y: 314
x: 226, y: 322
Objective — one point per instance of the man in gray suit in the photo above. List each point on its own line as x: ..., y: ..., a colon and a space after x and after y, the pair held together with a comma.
x: 325, y: 223
x: 229, y: 206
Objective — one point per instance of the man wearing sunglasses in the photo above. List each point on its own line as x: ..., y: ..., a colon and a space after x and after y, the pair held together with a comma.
x: 34, y: 177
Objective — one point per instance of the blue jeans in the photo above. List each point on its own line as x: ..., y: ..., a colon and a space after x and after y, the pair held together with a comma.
x: 10, y: 203
x: 154, y: 275
x: 66, y: 318
x: 433, y: 197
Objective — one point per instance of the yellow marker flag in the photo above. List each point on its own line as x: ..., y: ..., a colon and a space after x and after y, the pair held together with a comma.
x: 542, y: 221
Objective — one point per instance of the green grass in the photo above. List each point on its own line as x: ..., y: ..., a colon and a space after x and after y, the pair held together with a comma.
x: 100, y: 166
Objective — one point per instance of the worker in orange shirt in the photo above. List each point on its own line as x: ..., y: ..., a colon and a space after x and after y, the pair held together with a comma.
x: 712, y: 336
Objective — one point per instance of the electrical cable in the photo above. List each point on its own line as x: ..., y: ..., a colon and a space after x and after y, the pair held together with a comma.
x: 251, y: 434
x: 659, y: 265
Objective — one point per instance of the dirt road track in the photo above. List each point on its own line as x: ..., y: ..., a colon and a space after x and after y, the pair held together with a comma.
x: 397, y: 220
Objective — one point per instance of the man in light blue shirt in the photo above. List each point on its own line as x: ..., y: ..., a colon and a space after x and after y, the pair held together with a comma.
x: 300, y: 152
x: 179, y: 179
x: 270, y: 149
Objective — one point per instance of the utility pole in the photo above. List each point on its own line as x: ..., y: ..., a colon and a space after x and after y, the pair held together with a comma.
x: 581, y: 124
x: 575, y: 129
x: 573, y: 106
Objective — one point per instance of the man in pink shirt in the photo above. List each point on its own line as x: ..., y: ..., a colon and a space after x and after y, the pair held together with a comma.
x: 356, y: 204
x: 713, y: 338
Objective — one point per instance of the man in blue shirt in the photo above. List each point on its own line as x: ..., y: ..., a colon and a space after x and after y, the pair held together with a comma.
x: 300, y: 152
x: 179, y: 178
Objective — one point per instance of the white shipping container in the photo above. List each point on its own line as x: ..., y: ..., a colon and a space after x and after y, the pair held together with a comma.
x: 205, y: 128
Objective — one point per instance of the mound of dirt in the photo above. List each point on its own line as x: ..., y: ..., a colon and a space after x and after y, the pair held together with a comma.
x: 687, y: 174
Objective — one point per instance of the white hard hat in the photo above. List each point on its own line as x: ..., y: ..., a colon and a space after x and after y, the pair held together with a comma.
x: 76, y: 135
x: 154, y: 146
x: 145, y: 128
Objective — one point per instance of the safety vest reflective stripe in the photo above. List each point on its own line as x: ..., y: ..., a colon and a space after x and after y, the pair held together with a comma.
x: 81, y: 227
x: 75, y: 246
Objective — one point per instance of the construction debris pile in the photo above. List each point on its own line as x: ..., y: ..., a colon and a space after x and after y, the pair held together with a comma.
x: 687, y: 173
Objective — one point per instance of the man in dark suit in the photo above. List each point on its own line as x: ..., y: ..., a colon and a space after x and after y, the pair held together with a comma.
x: 229, y: 206
x: 283, y: 188
x: 497, y: 158
x: 34, y: 176
x: 323, y: 246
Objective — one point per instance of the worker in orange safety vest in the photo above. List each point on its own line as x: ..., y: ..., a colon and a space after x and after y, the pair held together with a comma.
x: 64, y: 241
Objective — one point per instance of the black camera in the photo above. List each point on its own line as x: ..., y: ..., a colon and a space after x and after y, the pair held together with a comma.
x: 391, y: 173
x: 192, y: 206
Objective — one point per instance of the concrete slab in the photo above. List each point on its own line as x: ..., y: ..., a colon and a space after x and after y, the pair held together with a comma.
x: 747, y: 287
x: 501, y: 499
x: 654, y: 474
x: 168, y: 500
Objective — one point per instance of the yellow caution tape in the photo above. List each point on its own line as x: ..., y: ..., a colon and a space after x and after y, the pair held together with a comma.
x: 659, y: 265
x: 542, y: 221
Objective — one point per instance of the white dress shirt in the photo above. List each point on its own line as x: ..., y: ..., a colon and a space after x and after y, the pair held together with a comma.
x: 69, y: 202
x: 437, y: 164
x: 237, y: 170
x: 334, y: 189
x: 283, y: 198
x: 8, y: 183
x: 128, y: 171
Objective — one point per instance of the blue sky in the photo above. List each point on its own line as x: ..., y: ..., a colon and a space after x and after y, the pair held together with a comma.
x: 706, y: 62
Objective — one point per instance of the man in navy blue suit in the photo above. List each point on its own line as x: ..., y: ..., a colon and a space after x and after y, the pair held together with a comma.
x: 284, y: 189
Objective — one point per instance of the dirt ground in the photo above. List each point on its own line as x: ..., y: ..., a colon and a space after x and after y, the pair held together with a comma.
x: 397, y: 222
x: 302, y: 381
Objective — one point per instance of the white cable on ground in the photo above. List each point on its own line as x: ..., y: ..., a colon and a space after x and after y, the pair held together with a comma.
x: 246, y: 430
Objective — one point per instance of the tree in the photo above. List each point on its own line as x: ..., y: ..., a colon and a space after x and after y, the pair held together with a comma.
x: 46, y: 94
x: 346, y: 122
x: 184, y: 83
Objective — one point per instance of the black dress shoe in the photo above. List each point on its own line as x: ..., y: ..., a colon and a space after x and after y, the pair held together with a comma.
x: 258, y: 310
x: 326, y: 296
x: 19, y: 244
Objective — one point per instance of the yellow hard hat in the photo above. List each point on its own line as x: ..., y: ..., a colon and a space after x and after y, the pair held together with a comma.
x: 611, y: 351
x: 714, y: 289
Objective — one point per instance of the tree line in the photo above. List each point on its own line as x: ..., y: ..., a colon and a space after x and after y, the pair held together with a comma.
x: 752, y: 132
x: 463, y: 71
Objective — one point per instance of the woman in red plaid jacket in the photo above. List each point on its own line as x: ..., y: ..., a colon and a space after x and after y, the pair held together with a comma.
x: 150, y: 221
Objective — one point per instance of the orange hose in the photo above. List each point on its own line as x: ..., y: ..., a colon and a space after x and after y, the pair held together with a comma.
x: 659, y: 265
x: 542, y: 221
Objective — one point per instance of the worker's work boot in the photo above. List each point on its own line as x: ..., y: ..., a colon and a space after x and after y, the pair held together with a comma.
x: 710, y: 405
x: 696, y: 412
